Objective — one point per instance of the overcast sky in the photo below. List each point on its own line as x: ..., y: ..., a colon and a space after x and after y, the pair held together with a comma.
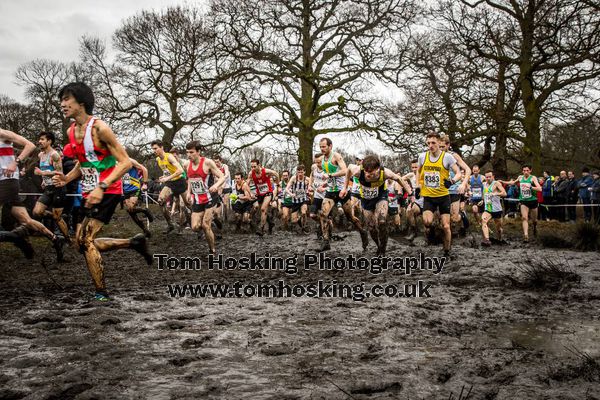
x: 51, y: 29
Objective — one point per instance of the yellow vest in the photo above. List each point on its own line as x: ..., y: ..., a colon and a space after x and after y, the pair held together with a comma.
x: 432, y: 177
x: 167, y: 167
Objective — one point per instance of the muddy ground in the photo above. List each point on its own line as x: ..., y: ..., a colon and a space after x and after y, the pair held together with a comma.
x: 480, y: 331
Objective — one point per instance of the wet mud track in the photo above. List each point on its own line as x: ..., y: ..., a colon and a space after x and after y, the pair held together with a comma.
x: 476, y: 332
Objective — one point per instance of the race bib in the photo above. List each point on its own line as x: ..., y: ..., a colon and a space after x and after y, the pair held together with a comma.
x: 432, y: 179
x: 89, y: 179
x: 263, y: 188
x: 300, y: 194
x: 476, y: 192
x: 525, y: 190
x: 47, y: 180
x: 487, y: 198
x: 166, y: 172
x: 126, y: 179
x: 370, y: 193
x: 197, y: 186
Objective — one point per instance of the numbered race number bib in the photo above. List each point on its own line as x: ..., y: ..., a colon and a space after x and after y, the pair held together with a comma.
x: 476, y: 193
x: 487, y: 199
x: 47, y: 181
x: 126, y: 179
x: 432, y: 179
x: 89, y: 179
x: 197, y: 186
x: 263, y: 188
x: 300, y: 194
x: 525, y: 190
x: 370, y: 193
x: 166, y: 172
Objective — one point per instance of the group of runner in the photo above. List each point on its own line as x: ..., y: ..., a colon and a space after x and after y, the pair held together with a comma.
x: 372, y: 197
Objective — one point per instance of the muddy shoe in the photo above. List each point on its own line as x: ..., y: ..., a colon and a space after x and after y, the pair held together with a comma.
x: 147, y: 233
x: 102, y: 297
x: 58, y: 243
x: 325, y: 246
x: 411, y: 236
x: 534, y: 230
x: 380, y: 251
x: 271, y: 225
x: 447, y: 254
x: 486, y: 242
x: 525, y: 239
x: 139, y: 243
x: 364, y: 237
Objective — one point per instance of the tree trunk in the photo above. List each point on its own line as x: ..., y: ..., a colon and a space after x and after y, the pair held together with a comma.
x: 306, y: 139
x: 499, y: 159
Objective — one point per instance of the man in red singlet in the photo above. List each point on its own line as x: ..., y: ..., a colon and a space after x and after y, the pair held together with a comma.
x: 261, y: 177
x: 102, y: 161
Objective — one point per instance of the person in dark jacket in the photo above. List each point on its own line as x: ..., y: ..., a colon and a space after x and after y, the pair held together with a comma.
x: 595, y: 197
x: 572, y: 197
x: 548, y: 196
x: 583, y: 185
x: 561, y: 194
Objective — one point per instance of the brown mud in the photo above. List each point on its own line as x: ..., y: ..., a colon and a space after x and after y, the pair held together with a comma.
x: 478, y: 331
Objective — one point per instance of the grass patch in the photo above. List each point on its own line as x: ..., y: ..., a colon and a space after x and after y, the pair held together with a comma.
x: 555, y: 241
x: 545, y: 275
x: 586, y: 236
x: 585, y: 367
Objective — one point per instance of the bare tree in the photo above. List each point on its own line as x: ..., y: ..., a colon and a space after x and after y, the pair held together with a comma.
x: 557, y: 46
x: 163, y: 77
x: 309, y: 66
x: 18, y: 117
x: 42, y: 80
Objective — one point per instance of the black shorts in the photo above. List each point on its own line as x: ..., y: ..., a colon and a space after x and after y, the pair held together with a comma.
x: 242, y: 207
x: 316, y: 205
x: 102, y: 211
x: 294, y: 207
x: 354, y: 194
x: 403, y: 202
x: 9, y: 193
x: 177, y: 187
x: 455, y: 197
x: 226, y: 190
x: 531, y: 204
x: 261, y: 197
x: 434, y: 203
x: 335, y: 196
x: 392, y: 211
x: 198, y: 208
x: 370, y: 204
x: 474, y: 202
x: 495, y: 214
x: 128, y: 195
x: 54, y: 197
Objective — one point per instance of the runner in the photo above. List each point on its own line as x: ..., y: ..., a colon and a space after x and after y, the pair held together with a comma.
x: 355, y: 193
x: 174, y: 183
x: 225, y: 190
x: 476, y: 190
x: 53, y: 197
x: 261, y: 177
x: 317, y: 184
x: 528, y: 200
x: 241, y: 199
x: 335, y: 170
x: 9, y: 196
x: 492, y: 206
x: 394, y: 193
x: 102, y: 163
x: 434, y: 180
x: 458, y: 189
x: 296, y: 191
x: 135, y: 181
x: 415, y: 203
x: 374, y: 196
x: 201, y: 192
x: 285, y: 201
